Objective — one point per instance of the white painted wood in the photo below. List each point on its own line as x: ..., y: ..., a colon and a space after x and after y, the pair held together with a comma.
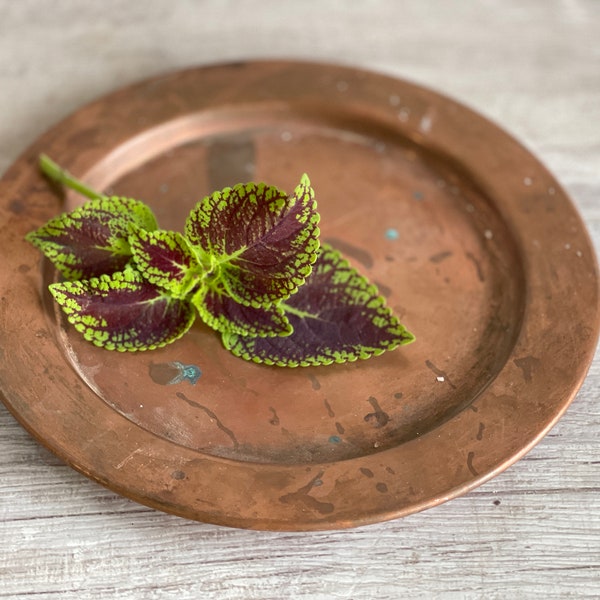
x: 532, y: 532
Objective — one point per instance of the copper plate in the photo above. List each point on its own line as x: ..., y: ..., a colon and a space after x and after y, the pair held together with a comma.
x: 472, y: 241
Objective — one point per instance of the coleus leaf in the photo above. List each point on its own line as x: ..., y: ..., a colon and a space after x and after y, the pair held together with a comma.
x: 123, y: 311
x: 257, y: 241
x: 166, y: 259
x: 221, y: 312
x: 92, y: 239
x: 337, y: 316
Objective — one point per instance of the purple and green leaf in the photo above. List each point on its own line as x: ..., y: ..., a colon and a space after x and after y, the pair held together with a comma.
x: 256, y: 241
x: 92, y: 240
x: 221, y: 312
x: 337, y: 316
x: 122, y: 311
x: 165, y: 259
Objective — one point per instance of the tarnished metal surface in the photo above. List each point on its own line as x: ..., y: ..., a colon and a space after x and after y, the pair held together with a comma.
x: 474, y: 244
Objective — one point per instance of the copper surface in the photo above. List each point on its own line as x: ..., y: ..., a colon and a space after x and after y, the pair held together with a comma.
x: 475, y: 245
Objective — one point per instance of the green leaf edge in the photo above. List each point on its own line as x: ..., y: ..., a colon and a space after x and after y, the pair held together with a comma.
x: 178, y: 289
x: 123, y: 208
x: 212, y: 322
x: 56, y: 289
x: 362, y: 353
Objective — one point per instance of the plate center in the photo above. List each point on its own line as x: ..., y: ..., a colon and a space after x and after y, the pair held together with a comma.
x: 404, y: 217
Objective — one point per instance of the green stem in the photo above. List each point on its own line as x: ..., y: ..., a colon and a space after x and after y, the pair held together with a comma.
x: 59, y: 175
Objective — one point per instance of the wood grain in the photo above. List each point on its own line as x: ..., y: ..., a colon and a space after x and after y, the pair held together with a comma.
x: 533, y: 531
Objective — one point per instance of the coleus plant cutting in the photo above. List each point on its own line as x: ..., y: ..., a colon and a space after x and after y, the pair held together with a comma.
x: 249, y: 264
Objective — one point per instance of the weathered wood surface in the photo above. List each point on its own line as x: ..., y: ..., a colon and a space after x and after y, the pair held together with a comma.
x: 532, y: 532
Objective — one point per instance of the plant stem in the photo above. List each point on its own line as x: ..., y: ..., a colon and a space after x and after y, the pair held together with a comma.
x: 59, y: 175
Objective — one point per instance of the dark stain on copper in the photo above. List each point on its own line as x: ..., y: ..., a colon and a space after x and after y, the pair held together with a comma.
x: 230, y: 161
x: 340, y: 428
x: 381, y: 487
x: 378, y: 418
x: 179, y: 475
x: 439, y: 373
x: 470, y: 458
x: 16, y: 207
x: 440, y: 256
x: 398, y: 395
x: 213, y: 416
x: 384, y: 290
x: 528, y: 365
x: 328, y: 407
x: 477, y: 264
x: 316, y: 385
x: 163, y: 373
x: 367, y: 472
x: 235, y: 65
x: 362, y: 256
x: 390, y: 470
x: 274, y: 420
x: 302, y: 496
x: 480, y: 432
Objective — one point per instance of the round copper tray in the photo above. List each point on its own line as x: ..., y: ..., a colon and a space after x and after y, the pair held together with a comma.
x: 475, y: 245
